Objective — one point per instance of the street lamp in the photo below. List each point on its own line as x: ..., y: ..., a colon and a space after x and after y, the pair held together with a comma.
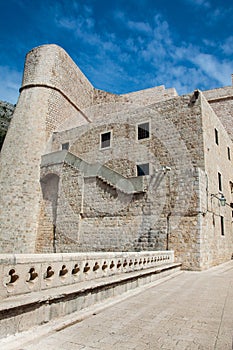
x: 221, y: 199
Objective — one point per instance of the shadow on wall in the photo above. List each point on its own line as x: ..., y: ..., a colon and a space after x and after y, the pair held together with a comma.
x: 2, y: 137
x: 49, y: 186
x: 6, y: 112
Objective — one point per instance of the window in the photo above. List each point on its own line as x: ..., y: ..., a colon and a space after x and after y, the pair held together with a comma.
x: 231, y: 187
x: 105, y: 140
x: 222, y: 225
x: 143, y: 131
x: 143, y: 169
x: 231, y: 205
x: 216, y: 136
x: 229, y: 153
x: 65, y: 145
x: 219, y: 182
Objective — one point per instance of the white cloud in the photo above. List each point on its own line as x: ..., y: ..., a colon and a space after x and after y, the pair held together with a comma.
x: 184, y: 64
x: 140, y: 27
x: 161, y: 29
x: 149, y: 53
x: 202, y: 3
x: 79, y: 20
x: 131, y: 45
x: 199, y: 3
x: 213, y: 68
x: 210, y: 43
x: 119, y: 15
x: 227, y: 46
x: 209, y: 67
x: 9, y: 89
x: 67, y: 23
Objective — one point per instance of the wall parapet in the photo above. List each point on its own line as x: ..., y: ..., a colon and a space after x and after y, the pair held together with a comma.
x: 219, y: 94
x: 27, y: 273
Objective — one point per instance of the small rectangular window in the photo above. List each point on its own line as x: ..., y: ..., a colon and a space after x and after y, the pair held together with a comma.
x: 143, y: 169
x: 231, y: 187
x: 105, y: 139
x: 143, y: 131
x: 219, y: 182
x: 231, y: 205
x: 216, y: 136
x: 229, y: 153
x: 222, y: 225
x: 65, y: 146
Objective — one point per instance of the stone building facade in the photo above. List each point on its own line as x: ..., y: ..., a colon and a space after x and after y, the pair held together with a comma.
x: 85, y: 170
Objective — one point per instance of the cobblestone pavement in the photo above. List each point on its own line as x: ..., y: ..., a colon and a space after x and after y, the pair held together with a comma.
x: 194, y: 310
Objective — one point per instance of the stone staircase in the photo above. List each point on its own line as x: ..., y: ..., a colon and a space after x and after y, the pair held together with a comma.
x: 108, y: 176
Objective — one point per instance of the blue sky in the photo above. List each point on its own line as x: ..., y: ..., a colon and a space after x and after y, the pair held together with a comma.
x: 123, y: 45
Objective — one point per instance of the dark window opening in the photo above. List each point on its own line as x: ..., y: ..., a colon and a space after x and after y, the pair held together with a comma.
x: 143, y: 131
x: 106, y: 139
x: 65, y: 146
x: 231, y: 205
x: 143, y: 169
x: 229, y: 153
x: 219, y: 182
x: 222, y: 225
x: 231, y: 187
x: 216, y: 136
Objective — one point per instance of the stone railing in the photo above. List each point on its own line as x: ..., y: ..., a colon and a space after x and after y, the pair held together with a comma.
x: 23, y: 274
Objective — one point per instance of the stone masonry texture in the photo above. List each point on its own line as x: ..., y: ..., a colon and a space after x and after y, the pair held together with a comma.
x: 56, y: 205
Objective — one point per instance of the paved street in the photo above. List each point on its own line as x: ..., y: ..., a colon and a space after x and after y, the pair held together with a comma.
x: 193, y: 310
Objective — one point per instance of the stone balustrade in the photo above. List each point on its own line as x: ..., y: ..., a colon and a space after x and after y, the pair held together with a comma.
x: 26, y: 273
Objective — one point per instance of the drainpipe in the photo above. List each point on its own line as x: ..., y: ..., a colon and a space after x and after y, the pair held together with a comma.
x: 168, y: 230
x: 54, y: 238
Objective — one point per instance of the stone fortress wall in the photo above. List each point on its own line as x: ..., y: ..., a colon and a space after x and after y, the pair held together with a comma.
x: 81, y: 205
x: 105, y: 208
x: 222, y: 103
x: 218, y: 160
x: 47, y: 96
